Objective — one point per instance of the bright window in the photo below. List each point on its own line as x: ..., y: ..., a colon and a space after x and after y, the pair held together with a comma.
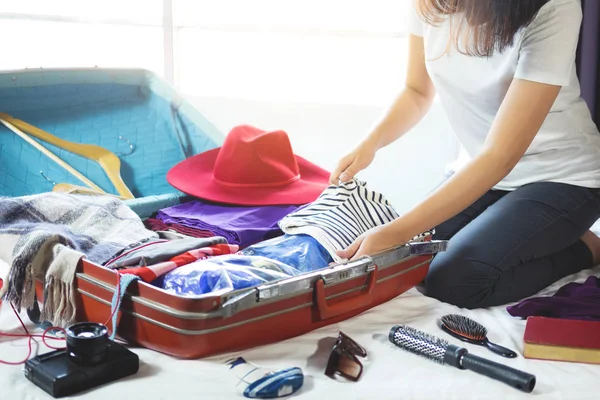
x: 317, y: 51
x: 132, y: 11
x: 64, y: 44
x: 362, y: 17
x: 75, y: 33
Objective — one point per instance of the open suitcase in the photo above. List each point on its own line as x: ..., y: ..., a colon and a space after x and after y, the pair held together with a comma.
x: 124, y: 110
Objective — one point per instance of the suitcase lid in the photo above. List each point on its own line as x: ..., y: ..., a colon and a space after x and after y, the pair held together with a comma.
x: 132, y: 112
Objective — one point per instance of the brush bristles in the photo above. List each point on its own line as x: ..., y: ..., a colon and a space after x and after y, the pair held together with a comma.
x: 419, y: 343
x: 464, y: 326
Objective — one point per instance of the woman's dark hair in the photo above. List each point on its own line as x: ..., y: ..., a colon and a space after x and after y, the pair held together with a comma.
x: 481, y: 27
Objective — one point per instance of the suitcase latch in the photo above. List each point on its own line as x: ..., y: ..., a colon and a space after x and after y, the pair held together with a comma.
x: 286, y: 287
x: 347, y: 271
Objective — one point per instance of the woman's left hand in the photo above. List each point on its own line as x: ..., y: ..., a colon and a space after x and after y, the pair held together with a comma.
x: 371, y: 242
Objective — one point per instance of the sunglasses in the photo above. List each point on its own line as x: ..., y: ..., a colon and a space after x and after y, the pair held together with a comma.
x: 343, y: 359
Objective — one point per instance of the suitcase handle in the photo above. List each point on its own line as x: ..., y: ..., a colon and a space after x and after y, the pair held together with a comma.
x: 327, y: 311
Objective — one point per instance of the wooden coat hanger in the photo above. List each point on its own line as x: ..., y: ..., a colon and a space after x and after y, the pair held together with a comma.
x: 51, y: 155
x: 74, y: 189
x: 109, y: 162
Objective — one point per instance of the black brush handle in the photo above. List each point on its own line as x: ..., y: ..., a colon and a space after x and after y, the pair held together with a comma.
x: 496, y: 348
x: 513, y: 377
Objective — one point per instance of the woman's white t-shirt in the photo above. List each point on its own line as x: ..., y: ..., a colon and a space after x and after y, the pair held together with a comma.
x: 471, y: 89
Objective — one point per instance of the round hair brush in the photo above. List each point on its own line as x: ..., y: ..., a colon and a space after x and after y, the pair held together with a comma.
x: 470, y: 331
x: 442, y: 352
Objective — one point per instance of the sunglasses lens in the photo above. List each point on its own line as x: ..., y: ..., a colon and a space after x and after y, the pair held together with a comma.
x: 344, y: 364
x: 342, y: 359
x: 353, y: 346
x: 348, y: 367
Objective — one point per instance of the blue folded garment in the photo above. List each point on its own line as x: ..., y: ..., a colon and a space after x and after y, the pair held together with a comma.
x: 224, y: 273
x: 301, y: 252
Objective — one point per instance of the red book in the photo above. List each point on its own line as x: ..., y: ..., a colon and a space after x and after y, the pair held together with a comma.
x: 562, y: 340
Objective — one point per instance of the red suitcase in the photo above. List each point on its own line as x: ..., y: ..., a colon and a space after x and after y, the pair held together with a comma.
x: 211, y: 324
x: 149, y: 316
x: 208, y: 325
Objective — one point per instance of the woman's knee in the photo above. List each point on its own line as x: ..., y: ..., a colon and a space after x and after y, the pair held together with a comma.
x: 457, y: 278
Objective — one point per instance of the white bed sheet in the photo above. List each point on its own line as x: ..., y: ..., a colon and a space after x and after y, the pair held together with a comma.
x: 390, y: 373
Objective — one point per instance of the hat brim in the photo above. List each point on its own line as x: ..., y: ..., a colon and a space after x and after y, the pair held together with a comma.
x: 194, y: 177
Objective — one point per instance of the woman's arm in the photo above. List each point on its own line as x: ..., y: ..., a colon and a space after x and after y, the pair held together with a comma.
x: 413, y: 102
x: 520, y: 117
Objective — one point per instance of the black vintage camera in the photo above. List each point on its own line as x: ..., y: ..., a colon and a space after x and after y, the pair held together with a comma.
x: 90, y: 359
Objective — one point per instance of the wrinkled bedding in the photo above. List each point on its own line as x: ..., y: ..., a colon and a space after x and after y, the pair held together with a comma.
x: 389, y: 373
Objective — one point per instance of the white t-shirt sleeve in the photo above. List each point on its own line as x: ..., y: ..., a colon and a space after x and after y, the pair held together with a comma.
x: 415, y: 23
x: 549, y: 44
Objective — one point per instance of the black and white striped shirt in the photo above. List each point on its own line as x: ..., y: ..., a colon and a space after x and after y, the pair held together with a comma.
x: 340, y: 215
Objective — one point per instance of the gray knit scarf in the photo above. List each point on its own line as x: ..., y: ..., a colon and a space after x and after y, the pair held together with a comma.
x: 44, y: 236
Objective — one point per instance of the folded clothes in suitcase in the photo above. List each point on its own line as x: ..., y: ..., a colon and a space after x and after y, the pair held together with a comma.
x: 151, y: 129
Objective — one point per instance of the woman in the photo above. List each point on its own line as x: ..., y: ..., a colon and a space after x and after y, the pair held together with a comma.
x: 518, y: 212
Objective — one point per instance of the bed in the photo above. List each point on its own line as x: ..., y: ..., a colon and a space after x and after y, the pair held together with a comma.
x: 390, y: 373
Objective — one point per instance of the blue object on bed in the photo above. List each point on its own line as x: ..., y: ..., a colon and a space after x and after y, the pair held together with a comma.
x: 224, y: 274
x: 301, y: 252
x: 111, y: 108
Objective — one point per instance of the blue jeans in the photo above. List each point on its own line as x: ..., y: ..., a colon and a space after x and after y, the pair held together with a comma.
x: 509, y: 245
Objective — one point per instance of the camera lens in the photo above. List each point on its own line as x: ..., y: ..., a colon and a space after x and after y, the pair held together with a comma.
x: 87, y: 343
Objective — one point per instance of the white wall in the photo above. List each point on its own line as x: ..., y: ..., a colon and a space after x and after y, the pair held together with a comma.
x: 404, y: 172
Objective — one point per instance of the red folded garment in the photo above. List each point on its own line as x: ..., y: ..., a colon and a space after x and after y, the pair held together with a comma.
x: 151, y: 272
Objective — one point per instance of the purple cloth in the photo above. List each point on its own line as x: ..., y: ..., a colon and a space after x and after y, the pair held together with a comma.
x: 240, y: 225
x: 572, y: 301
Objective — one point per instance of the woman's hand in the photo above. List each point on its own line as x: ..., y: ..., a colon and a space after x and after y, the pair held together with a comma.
x: 359, y: 159
x: 373, y: 241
